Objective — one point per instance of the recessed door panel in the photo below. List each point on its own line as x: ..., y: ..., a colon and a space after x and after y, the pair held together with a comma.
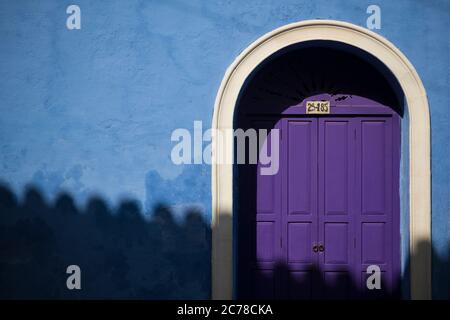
x: 298, y: 244
x: 336, y: 166
x: 265, y: 237
x: 301, y: 146
x: 300, y: 285
x: 263, y: 284
x: 373, y: 179
x: 373, y: 243
x: 336, y: 235
x: 336, y: 285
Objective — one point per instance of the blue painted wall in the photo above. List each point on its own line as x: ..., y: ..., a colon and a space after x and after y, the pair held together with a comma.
x: 89, y: 114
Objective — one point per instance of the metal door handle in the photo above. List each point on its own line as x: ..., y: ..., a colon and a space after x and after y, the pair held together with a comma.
x: 321, y: 248
x: 315, y: 248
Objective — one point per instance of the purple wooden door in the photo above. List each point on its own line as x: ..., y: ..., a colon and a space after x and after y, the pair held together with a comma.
x: 330, y: 212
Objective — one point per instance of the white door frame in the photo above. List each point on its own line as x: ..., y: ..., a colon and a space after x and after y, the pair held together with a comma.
x: 419, y: 143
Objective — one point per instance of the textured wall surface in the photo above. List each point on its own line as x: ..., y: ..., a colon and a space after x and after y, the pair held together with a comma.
x: 86, y: 115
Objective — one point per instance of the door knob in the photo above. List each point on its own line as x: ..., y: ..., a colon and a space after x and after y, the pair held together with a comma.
x: 321, y: 248
x: 315, y: 248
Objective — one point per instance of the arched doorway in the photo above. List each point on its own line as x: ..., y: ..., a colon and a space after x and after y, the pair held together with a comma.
x: 223, y: 259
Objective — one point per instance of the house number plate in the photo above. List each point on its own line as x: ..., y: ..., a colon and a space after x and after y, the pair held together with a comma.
x: 317, y: 107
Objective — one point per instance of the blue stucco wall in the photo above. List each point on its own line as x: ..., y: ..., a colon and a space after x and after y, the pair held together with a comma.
x: 88, y: 114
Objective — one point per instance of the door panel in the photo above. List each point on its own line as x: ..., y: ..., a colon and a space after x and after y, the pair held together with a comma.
x: 300, y: 285
x: 299, y: 220
x: 374, y: 167
x: 335, y: 159
x: 265, y: 238
x: 264, y: 282
x: 336, y: 285
x: 299, y: 242
x: 302, y: 148
x: 377, y: 223
x: 266, y: 223
x: 336, y: 236
x: 373, y: 245
x: 258, y: 224
x: 336, y: 162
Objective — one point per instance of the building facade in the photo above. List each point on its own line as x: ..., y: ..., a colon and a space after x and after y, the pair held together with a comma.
x: 114, y: 186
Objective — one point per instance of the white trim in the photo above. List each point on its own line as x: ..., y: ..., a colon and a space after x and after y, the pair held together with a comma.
x: 419, y: 129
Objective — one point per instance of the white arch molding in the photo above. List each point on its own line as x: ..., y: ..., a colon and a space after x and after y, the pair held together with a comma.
x: 419, y: 143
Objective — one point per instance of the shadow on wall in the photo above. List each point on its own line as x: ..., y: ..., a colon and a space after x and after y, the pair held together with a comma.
x: 277, y: 280
x: 315, y: 284
x: 121, y: 253
x: 269, y: 279
x: 440, y: 264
